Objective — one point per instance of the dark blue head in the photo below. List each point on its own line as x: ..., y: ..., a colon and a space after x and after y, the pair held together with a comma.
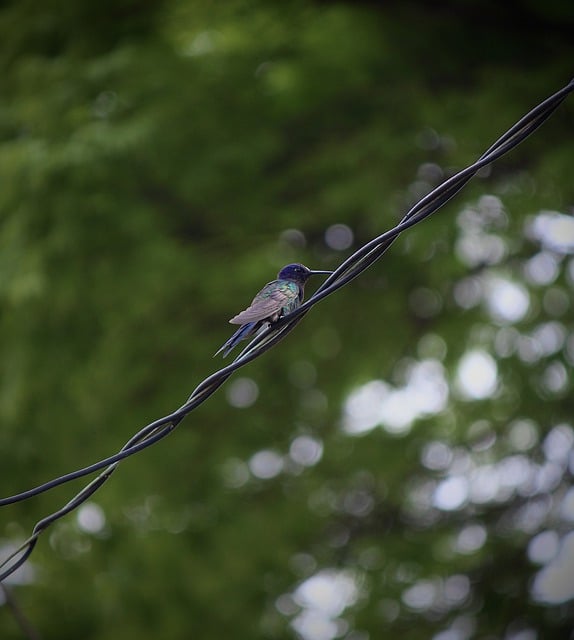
x: 297, y: 273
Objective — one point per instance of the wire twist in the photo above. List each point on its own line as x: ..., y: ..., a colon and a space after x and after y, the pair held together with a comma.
x: 349, y: 269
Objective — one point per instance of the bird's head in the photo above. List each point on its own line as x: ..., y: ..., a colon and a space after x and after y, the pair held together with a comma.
x: 298, y: 273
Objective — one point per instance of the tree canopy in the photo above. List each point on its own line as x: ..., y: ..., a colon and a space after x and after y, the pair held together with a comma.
x: 402, y: 462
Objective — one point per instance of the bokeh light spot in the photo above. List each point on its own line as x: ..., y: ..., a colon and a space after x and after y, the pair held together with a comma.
x: 306, y: 451
x: 554, y: 231
x: 339, y: 237
x: 266, y: 464
x: 242, y: 393
x: 477, y: 375
x: 543, y: 547
x: 421, y: 595
x: 507, y: 302
x: 323, y: 598
x: 91, y: 518
x: 451, y: 493
x: 471, y: 538
x: 553, y: 584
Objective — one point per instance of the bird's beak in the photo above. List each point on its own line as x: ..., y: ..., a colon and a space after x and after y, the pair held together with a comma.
x: 316, y: 273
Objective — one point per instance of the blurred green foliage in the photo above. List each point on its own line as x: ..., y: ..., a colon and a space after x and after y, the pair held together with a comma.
x: 160, y: 161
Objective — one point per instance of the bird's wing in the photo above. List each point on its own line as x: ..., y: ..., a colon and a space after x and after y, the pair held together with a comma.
x: 269, y: 302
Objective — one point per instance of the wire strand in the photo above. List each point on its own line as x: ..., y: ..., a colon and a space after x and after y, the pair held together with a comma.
x: 347, y: 271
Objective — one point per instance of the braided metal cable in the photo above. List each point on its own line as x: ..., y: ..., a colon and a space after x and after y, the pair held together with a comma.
x: 349, y: 269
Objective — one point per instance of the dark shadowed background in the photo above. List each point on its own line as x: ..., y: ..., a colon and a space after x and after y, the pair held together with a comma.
x: 401, y: 465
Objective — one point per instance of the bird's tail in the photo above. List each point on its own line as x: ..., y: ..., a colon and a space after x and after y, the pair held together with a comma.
x: 241, y: 334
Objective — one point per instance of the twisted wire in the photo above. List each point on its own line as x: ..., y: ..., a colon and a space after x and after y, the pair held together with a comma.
x: 349, y: 269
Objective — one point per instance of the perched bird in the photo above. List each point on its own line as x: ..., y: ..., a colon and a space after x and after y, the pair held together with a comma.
x: 275, y: 300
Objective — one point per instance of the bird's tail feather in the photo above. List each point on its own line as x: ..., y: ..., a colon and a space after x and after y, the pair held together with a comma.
x: 241, y: 334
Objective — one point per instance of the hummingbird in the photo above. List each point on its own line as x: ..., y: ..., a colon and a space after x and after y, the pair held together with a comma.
x: 277, y: 299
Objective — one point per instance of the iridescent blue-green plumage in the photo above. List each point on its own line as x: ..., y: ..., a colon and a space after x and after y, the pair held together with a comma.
x: 277, y: 299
